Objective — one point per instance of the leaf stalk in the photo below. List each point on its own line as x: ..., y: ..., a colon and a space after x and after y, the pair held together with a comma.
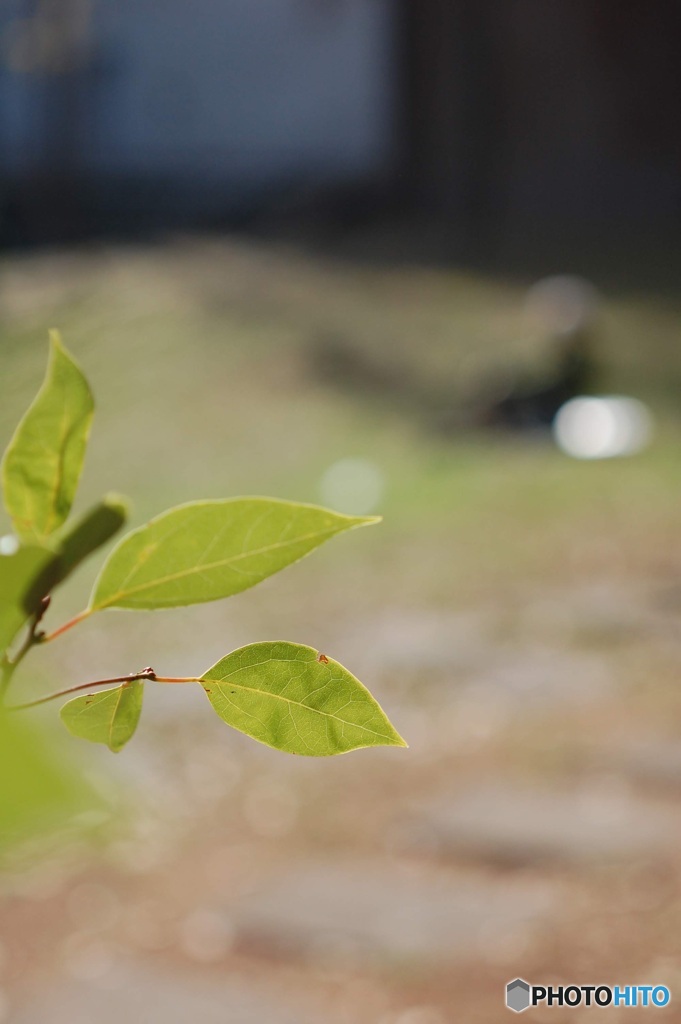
x: 68, y: 625
x: 146, y: 673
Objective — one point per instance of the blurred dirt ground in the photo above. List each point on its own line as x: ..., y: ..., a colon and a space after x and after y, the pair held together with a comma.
x: 517, y: 613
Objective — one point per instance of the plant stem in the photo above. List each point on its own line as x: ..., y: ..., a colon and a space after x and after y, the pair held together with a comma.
x: 68, y: 625
x: 132, y: 677
x: 9, y: 666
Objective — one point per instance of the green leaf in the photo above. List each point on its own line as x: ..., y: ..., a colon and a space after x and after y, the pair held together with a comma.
x: 108, y: 717
x: 98, y: 525
x: 44, y: 459
x: 292, y: 698
x: 26, y: 576
x: 211, y: 549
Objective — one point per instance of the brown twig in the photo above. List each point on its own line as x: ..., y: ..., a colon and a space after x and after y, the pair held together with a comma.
x: 146, y: 673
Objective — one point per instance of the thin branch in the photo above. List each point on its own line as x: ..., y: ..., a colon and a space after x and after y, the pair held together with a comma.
x: 131, y: 678
x: 146, y: 673
x: 8, y: 666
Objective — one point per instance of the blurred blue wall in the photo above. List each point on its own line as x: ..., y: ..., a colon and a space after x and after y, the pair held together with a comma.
x: 225, y: 95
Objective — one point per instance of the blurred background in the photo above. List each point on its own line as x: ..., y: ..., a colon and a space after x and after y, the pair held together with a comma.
x: 411, y: 259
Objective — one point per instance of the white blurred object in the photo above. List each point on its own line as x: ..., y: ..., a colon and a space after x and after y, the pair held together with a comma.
x: 602, y: 427
x: 9, y: 544
x: 562, y: 303
x: 352, y: 485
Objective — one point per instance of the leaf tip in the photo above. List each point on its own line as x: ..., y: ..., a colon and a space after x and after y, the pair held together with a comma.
x: 58, y: 350
x: 394, y: 740
x: 367, y: 520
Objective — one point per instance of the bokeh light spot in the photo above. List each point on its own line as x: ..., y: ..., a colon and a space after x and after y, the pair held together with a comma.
x: 353, y: 485
x: 602, y: 428
x: 9, y: 544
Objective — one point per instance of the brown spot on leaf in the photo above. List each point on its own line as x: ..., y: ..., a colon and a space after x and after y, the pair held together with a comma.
x: 323, y: 658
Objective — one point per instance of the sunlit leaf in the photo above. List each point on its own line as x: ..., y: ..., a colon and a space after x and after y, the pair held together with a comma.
x: 211, y: 549
x: 292, y: 698
x: 44, y: 459
x: 90, y: 532
x: 108, y: 717
x: 26, y: 576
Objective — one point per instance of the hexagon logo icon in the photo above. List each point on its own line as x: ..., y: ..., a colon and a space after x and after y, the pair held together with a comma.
x: 518, y: 995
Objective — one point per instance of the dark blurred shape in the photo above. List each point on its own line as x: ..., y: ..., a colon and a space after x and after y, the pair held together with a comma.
x: 341, y: 362
x: 553, y: 116
x: 97, y: 526
x: 564, y: 309
x: 533, y: 404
